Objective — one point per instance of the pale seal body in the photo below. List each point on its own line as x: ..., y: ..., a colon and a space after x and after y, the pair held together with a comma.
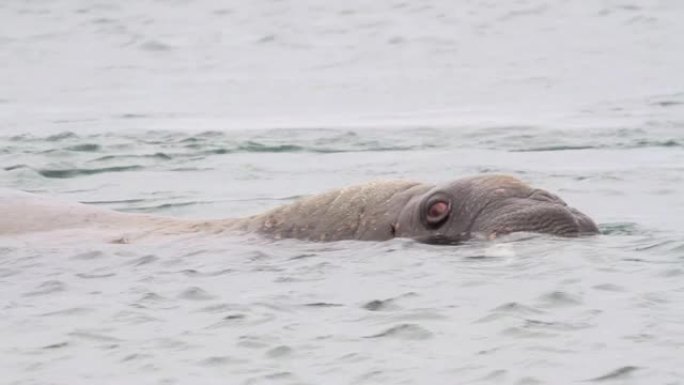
x: 482, y: 206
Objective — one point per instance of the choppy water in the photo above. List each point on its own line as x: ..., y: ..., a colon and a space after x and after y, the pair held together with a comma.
x: 213, y: 109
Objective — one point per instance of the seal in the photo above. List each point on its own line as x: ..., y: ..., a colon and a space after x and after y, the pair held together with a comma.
x: 481, y: 207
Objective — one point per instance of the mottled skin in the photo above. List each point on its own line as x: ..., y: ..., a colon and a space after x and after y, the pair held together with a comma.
x: 485, y: 206
x: 363, y: 212
x: 482, y: 206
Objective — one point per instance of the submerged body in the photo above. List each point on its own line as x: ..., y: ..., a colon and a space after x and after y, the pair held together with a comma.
x: 481, y: 206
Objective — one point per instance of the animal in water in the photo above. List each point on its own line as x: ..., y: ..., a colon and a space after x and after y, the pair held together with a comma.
x: 481, y: 207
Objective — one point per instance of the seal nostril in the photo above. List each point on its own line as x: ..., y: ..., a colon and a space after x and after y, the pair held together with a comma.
x: 545, y: 196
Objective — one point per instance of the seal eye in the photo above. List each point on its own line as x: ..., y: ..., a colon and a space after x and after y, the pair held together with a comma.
x: 437, y: 212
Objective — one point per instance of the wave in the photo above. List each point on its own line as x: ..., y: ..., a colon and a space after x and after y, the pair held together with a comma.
x: 70, y: 155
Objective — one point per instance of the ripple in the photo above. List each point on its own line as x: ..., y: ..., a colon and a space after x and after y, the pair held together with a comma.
x: 377, y: 304
x: 136, y: 357
x: 555, y: 148
x: 95, y: 276
x: 609, y: 287
x: 219, y: 308
x: 219, y: 361
x: 255, y: 342
x: 154, y: 156
x: 241, y: 319
x: 405, y: 332
x: 523, y: 332
x: 94, y: 336
x: 621, y: 228
x: 529, y: 381
x: 74, y: 311
x: 197, y: 273
x: 56, y: 137
x: 47, y: 287
x: 559, y: 299
x: 144, y: 260
x: 234, y: 317
x: 58, y: 345
x: 509, y: 309
x: 133, y: 317
x: 279, y: 376
x: 619, y: 373
x: 532, y: 324
x: 155, y: 46
x: 164, y: 206
x: 84, y: 147
x: 76, y: 172
x: 196, y: 294
x: 151, y: 298
x: 323, y: 304
x: 250, y: 146
x: 666, y: 246
x: 279, y: 352
x: 88, y: 255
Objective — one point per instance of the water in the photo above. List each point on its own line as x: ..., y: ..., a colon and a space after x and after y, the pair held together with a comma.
x: 225, y: 109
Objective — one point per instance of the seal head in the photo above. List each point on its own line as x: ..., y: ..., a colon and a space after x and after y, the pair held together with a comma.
x: 487, y: 207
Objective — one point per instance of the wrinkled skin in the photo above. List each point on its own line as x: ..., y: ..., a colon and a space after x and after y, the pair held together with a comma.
x: 488, y: 207
x: 482, y: 207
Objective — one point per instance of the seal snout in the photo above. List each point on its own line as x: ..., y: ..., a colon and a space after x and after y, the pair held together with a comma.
x: 486, y: 207
x: 541, y: 212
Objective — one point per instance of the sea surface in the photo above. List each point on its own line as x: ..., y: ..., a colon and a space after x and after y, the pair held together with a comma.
x: 211, y: 109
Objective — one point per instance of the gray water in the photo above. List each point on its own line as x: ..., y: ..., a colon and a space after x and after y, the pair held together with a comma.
x: 225, y: 109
